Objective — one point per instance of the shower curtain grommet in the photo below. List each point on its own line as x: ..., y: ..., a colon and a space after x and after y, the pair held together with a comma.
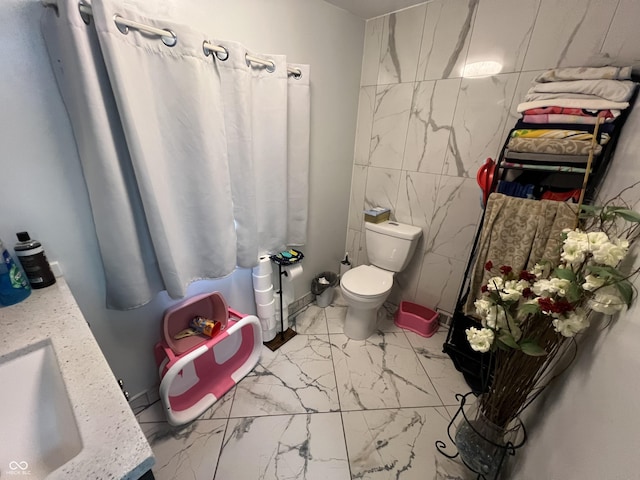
x: 169, y: 41
x: 269, y: 65
x: 207, y: 48
x: 86, y: 18
x: 222, y: 56
x: 123, y: 29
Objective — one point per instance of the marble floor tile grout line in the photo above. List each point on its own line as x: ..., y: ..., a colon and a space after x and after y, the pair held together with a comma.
x: 224, y: 434
x: 344, y: 434
x: 423, y: 368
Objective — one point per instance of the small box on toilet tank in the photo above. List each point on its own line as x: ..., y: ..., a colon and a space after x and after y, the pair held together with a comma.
x: 377, y: 215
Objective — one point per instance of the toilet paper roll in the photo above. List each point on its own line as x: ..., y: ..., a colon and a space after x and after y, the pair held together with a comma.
x: 289, y: 281
x: 264, y: 266
x: 263, y: 297
x: 268, y: 335
x: 285, y: 310
x: 268, y: 310
x: 261, y: 282
x: 268, y: 322
x: 269, y: 327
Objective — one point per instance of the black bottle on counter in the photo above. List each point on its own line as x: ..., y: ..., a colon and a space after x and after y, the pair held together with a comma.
x: 34, y: 261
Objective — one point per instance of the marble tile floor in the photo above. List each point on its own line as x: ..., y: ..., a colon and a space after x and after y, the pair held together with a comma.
x: 323, y: 407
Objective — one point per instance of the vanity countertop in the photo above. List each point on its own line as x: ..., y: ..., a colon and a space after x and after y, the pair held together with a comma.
x: 114, y: 446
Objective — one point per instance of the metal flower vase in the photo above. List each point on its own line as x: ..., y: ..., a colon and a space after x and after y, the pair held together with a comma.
x: 482, y: 446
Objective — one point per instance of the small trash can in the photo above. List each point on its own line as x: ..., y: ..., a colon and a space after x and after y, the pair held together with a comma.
x: 323, y: 287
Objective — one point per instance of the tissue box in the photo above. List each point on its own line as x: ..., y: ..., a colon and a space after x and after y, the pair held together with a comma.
x: 377, y: 215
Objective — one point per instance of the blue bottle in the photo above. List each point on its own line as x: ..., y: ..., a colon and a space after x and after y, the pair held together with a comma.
x: 14, y: 286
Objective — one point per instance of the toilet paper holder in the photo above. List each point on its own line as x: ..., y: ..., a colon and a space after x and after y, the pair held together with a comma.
x: 283, y: 259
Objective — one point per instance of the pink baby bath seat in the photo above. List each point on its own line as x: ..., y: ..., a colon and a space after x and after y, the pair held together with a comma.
x: 195, y: 379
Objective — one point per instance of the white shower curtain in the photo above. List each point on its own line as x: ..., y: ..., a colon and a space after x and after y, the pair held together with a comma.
x: 188, y: 169
x: 299, y: 118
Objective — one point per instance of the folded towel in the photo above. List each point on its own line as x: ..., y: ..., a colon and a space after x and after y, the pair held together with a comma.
x: 589, y: 104
x: 612, y: 90
x: 533, y: 96
x: 558, y: 118
x: 554, y: 146
x: 584, y: 73
x: 546, y: 158
x: 545, y: 168
x: 556, y: 133
x: 583, y: 112
x: 604, y: 128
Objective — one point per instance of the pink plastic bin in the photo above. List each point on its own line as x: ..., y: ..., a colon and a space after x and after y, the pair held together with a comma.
x: 418, y: 319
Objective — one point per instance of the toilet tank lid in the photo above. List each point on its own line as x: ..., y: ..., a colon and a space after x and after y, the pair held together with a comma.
x: 395, y: 229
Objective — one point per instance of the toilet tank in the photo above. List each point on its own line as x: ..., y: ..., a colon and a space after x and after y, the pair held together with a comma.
x: 390, y: 245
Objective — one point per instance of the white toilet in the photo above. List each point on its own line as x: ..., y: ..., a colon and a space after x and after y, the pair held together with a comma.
x: 390, y: 246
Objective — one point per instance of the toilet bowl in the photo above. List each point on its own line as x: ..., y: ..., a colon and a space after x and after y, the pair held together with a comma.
x: 390, y: 246
x: 364, y: 288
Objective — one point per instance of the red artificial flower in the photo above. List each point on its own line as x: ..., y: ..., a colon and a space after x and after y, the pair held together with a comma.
x: 488, y: 266
x: 484, y: 289
x: 505, y: 269
x: 561, y: 306
x: 527, y: 293
x: 529, y: 277
x: 546, y: 304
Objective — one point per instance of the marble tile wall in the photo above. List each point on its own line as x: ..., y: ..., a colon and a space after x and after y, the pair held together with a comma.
x: 424, y: 128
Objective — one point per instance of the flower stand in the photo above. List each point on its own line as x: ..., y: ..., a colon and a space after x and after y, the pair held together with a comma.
x: 482, y: 446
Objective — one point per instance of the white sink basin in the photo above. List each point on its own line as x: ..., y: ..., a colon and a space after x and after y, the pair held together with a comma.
x: 39, y: 430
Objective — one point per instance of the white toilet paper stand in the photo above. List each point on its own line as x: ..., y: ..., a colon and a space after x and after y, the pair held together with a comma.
x: 289, y: 257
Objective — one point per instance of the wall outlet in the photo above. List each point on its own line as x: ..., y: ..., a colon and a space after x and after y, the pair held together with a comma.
x: 56, y: 269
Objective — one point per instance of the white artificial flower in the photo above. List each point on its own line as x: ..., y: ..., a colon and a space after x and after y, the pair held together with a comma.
x: 610, y: 253
x: 578, y: 238
x: 540, y: 270
x: 482, y: 307
x: 480, y: 339
x: 548, y: 287
x: 607, y: 301
x: 510, y: 295
x: 560, y: 286
x: 572, y: 324
x: 591, y: 282
x: 496, y: 318
x: 596, y: 239
x: 573, y: 252
x: 543, y: 288
x: 495, y: 283
x: 521, y: 285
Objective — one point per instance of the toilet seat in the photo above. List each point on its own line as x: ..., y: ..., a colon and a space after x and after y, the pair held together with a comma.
x: 367, y: 281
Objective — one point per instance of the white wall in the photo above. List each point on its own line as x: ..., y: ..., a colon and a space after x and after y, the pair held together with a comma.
x: 43, y: 190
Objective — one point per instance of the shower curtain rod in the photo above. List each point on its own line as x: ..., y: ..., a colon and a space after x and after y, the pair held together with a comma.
x: 208, y: 48
x: 169, y: 38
